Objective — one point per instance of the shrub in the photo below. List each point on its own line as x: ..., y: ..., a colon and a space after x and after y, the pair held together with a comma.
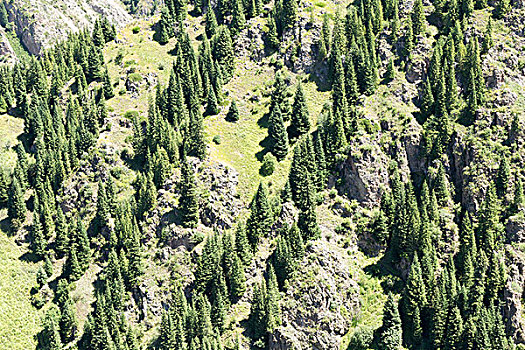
x: 268, y: 165
x: 131, y: 114
x: 135, y: 30
x: 217, y: 139
x: 361, y: 339
x: 135, y: 77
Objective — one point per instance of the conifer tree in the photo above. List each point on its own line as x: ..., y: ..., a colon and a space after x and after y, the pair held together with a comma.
x: 242, y: 245
x: 289, y: 13
x: 273, y: 308
x: 277, y: 133
x: 257, y: 319
x: 414, y: 300
x: 502, y: 178
x: 237, y: 279
x: 299, y: 121
x: 454, y: 335
x: 4, y: 18
x: 72, y: 268
x: 189, y: 201
x: 49, y: 337
x: 84, y: 250
x: 196, y: 146
x: 212, y: 108
x: 518, y: 200
x: 418, y: 18
x: 441, y: 187
x: 467, y: 7
x: 38, y: 242
x: 260, y: 219
x: 502, y: 8
x: 233, y: 112
x: 390, y: 338
x: 211, y: 23
x: 223, y: 52
x: 488, y: 40
x: 238, y: 18
x: 4, y: 187
x: 272, y: 39
x: 68, y: 321
x: 16, y: 206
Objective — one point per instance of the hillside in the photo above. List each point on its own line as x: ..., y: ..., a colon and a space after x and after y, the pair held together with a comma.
x: 262, y: 175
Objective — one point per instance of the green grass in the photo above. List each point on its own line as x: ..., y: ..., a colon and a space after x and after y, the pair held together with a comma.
x: 19, y: 320
x: 10, y: 129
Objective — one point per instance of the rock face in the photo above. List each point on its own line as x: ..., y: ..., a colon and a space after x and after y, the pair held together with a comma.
x: 39, y: 23
x: 7, y: 54
x: 219, y: 202
x: 319, y: 303
x: 513, y: 294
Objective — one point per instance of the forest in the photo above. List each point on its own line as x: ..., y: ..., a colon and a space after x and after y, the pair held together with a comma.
x: 264, y: 174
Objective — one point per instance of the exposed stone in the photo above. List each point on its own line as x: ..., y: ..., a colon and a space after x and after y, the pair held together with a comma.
x: 40, y: 24
x: 321, y: 299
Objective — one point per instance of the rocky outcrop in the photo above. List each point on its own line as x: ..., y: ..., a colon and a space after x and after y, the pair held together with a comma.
x: 219, y: 202
x: 513, y: 294
x: 319, y: 303
x: 39, y: 24
x: 365, y: 170
x: 7, y: 54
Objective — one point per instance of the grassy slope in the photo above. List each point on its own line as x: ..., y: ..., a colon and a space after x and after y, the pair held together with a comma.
x: 19, y: 320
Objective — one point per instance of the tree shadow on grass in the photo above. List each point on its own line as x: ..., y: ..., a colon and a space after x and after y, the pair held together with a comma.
x: 263, y: 121
x: 266, y: 144
x: 385, y: 270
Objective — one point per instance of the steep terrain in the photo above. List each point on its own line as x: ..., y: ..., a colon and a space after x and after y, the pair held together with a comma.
x: 388, y: 202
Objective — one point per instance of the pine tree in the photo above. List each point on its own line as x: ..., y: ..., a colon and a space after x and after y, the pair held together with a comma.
x: 233, y: 112
x: 289, y: 13
x: 211, y: 23
x: 237, y: 279
x: 4, y: 18
x: 260, y: 219
x: 238, y: 18
x: 49, y: 337
x: 223, y: 52
x: 488, y: 41
x: 414, y: 300
x: 189, y: 201
x: 454, y: 335
x: 502, y: 8
x: 391, y: 332
x: 418, y: 18
x: 441, y: 187
x: 84, y: 250
x: 273, y: 308
x: 277, y: 133
x: 68, y: 321
x: 257, y: 319
x: 212, y: 108
x: 502, y: 178
x: 299, y: 121
x: 16, y: 207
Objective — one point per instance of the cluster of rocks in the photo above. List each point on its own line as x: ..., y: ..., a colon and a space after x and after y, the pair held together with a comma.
x: 318, y: 306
